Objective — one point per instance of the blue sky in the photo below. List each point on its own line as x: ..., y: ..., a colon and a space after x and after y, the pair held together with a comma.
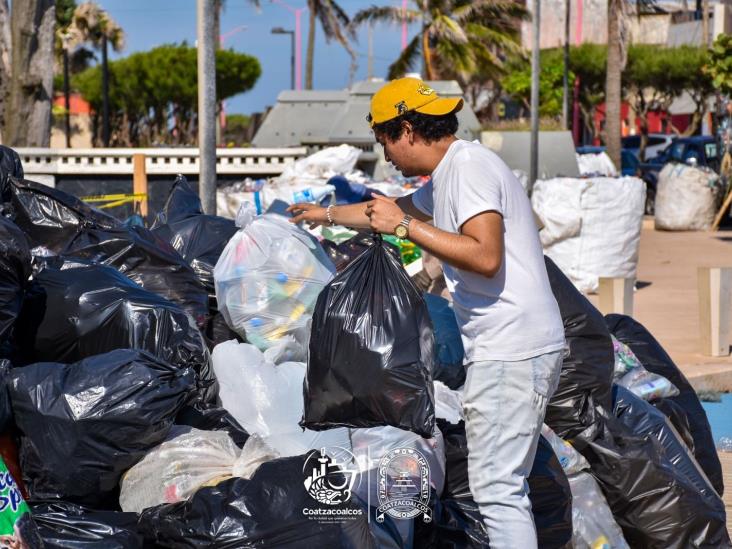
x: 149, y: 23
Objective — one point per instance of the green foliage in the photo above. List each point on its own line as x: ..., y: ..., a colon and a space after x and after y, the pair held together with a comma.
x: 719, y: 65
x: 517, y: 83
x: 64, y: 13
x: 154, y: 94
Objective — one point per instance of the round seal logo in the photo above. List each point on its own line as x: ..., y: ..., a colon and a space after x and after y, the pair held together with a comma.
x: 330, y: 475
x: 404, y: 485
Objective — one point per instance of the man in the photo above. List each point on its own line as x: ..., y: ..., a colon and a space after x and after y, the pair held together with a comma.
x: 484, y: 234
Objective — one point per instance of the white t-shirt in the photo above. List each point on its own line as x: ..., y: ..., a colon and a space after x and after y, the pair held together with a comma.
x: 513, y: 315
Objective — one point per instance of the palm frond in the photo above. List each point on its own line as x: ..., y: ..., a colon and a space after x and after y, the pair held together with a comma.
x: 406, y: 61
x: 443, y: 27
x: 378, y: 14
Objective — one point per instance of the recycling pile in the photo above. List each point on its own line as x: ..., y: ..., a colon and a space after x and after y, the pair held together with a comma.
x: 183, y: 386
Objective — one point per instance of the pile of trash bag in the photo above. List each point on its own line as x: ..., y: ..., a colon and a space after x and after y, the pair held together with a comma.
x: 686, y: 404
x: 70, y: 314
x: 84, y: 424
x: 371, y: 350
x: 268, y: 279
x: 265, y: 510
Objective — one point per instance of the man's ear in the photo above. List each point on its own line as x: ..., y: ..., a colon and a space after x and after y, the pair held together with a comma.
x: 408, y: 130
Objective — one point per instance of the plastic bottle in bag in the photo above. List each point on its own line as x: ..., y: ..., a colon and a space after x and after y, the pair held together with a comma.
x: 312, y: 194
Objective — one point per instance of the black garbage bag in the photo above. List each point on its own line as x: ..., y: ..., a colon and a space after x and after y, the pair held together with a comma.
x: 71, y: 314
x: 550, y: 495
x: 15, y: 269
x: 346, y: 252
x: 264, y: 511
x: 655, y: 359
x: 449, y: 352
x: 10, y: 166
x: 65, y: 525
x: 197, y: 237
x: 657, y: 492
x: 84, y: 424
x: 371, y: 350
x: 147, y: 260
x: 678, y: 418
x: 50, y: 217
x: 212, y: 419
x: 585, y: 382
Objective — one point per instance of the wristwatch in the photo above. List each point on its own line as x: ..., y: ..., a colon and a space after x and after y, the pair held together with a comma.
x: 402, y: 230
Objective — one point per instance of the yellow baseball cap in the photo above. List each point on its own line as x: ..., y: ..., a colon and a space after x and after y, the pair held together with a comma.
x: 409, y: 94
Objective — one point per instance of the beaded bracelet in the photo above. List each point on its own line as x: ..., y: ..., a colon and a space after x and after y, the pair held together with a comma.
x: 329, y: 216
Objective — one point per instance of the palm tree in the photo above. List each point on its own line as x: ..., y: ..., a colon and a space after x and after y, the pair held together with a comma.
x: 336, y: 25
x: 92, y: 25
x: 459, y: 38
x: 613, y: 82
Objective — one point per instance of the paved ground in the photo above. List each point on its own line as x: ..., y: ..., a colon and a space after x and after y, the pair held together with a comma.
x: 666, y: 301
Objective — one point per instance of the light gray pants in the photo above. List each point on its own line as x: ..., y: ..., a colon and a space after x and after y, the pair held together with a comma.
x: 504, y: 405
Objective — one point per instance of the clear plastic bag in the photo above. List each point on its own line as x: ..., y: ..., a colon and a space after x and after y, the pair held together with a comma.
x: 268, y: 279
x: 186, y: 461
x: 570, y: 459
x: 593, y: 524
x: 266, y: 398
x: 630, y: 373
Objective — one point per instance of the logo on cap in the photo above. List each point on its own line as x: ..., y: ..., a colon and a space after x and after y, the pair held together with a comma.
x: 401, y: 107
x: 425, y: 90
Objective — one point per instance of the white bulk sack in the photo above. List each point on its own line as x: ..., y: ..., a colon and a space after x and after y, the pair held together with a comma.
x: 591, y: 226
x: 686, y: 198
x: 596, y: 164
x: 267, y: 398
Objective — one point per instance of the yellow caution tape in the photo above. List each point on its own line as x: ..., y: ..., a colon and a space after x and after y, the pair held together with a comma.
x: 114, y: 200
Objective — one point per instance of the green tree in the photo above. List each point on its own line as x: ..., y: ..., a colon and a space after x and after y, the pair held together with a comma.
x: 458, y: 38
x: 719, y: 64
x: 154, y: 99
x: 517, y: 82
x: 336, y: 26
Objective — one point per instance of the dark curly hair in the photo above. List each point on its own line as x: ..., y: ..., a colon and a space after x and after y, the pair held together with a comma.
x: 429, y: 127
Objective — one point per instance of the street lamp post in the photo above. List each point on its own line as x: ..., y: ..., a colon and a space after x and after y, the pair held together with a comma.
x: 206, y: 105
x: 280, y: 30
x: 298, y: 40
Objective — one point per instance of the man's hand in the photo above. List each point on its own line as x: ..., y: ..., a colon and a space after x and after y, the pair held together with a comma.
x: 312, y: 214
x: 384, y: 214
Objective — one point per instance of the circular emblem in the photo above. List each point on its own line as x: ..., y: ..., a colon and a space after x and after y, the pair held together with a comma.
x: 404, y: 485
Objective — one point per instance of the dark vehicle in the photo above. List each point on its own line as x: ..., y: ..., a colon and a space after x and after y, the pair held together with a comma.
x: 628, y: 160
x: 698, y: 150
x: 656, y: 143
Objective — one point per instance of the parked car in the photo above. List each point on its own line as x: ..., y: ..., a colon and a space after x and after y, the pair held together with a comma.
x: 628, y: 160
x: 657, y: 142
x: 698, y: 150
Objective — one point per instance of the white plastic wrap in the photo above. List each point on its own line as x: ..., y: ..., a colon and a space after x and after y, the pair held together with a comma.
x: 591, y: 226
x: 371, y: 445
x: 686, y: 198
x: 267, y: 398
x: 570, y: 459
x: 448, y: 403
x: 320, y: 166
x: 593, y: 524
x: 186, y: 461
x: 268, y: 279
x: 596, y: 164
